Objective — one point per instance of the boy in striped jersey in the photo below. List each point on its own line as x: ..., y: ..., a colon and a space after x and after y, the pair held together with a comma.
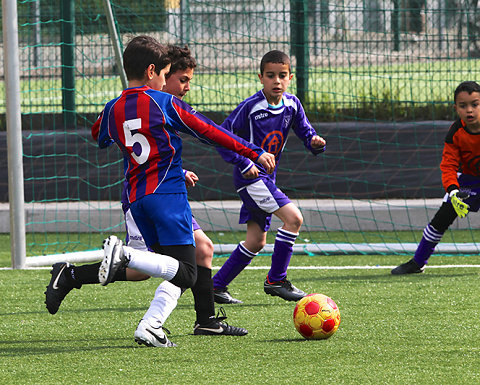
x: 178, y: 84
x: 144, y: 122
x: 460, y: 168
x: 266, y: 119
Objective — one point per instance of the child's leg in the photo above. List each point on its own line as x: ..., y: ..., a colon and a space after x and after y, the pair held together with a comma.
x: 165, y: 223
x: 167, y: 294
x: 284, y: 241
x: 153, y: 264
x: 163, y: 303
x: 433, y: 233
x: 241, y: 256
x: 203, y: 289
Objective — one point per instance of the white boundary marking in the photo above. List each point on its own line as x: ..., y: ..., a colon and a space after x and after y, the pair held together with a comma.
x: 365, y: 267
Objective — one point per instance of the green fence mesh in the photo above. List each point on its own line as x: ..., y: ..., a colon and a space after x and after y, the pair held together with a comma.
x: 376, y: 78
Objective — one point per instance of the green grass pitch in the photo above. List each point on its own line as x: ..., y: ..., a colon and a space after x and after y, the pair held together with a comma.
x: 420, y: 329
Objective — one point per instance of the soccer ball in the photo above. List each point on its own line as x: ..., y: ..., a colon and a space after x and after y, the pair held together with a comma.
x: 316, y: 316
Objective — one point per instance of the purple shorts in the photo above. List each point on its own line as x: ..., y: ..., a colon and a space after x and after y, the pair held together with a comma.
x: 195, y: 225
x: 260, y: 200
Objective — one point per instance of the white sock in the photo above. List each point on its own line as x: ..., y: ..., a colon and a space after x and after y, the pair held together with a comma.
x: 153, y: 264
x: 162, y: 305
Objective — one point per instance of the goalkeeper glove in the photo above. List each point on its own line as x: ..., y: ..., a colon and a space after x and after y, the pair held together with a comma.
x: 461, y: 208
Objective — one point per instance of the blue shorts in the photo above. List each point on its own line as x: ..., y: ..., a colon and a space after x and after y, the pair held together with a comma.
x: 260, y: 200
x: 471, y: 185
x: 165, y: 219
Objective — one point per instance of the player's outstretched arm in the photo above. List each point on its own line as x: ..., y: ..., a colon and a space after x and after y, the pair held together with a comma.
x: 267, y: 160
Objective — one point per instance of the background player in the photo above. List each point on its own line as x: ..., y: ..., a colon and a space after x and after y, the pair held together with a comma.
x: 266, y: 119
x: 460, y: 168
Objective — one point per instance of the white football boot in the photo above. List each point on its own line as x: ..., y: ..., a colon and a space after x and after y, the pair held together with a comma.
x: 113, y: 259
x: 152, y: 336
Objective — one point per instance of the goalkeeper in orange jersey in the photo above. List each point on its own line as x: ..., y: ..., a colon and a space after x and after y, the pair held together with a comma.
x: 460, y: 168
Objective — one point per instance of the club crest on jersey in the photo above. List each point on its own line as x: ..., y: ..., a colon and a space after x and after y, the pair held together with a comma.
x: 287, y: 119
x: 273, y: 142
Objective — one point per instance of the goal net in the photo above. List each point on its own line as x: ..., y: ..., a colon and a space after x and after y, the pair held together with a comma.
x: 376, y: 79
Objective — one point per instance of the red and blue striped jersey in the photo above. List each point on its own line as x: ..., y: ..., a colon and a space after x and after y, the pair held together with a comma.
x: 144, y: 124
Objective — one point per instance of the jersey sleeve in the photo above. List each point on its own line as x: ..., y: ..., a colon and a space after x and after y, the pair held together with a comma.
x: 450, y: 160
x: 96, y: 127
x: 304, y: 129
x: 233, y: 123
x: 100, y: 128
x: 184, y: 118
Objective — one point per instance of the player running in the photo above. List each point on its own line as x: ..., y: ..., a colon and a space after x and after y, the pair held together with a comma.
x: 143, y: 122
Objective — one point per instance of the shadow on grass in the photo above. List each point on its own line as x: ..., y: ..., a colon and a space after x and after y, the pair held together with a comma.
x: 386, y: 277
x: 33, y: 347
x: 283, y: 340
x: 76, y: 311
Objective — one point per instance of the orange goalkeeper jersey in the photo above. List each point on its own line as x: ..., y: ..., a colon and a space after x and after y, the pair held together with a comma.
x: 461, y: 153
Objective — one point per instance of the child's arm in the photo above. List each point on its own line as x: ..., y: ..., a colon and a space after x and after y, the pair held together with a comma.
x: 318, y: 142
x: 450, y: 163
x: 235, y: 122
x: 190, y: 178
x: 305, y: 131
x: 449, y: 166
x: 187, y: 120
x: 100, y: 129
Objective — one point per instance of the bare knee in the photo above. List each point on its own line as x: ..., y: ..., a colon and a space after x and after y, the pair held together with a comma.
x: 254, y: 245
x: 203, y: 250
x: 294, y: 223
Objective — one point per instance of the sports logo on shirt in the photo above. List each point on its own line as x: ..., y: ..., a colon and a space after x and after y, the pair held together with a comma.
x: 261, y: 115
x: 273, y: 142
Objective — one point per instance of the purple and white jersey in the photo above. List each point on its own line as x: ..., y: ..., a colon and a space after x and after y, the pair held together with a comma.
x: 256, y: 121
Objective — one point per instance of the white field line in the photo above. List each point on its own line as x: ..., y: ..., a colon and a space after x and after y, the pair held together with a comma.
x: 365, y: 267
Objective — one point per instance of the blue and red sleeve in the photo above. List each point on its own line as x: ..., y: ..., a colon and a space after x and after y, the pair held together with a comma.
x: 198, y: 125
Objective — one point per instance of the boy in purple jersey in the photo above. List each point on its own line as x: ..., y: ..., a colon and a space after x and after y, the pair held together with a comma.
x: 266, y: 119
x: 70, y: 276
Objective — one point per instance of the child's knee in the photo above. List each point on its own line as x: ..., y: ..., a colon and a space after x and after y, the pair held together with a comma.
x: 254, y: 245
x: 186, y: 275
x: 293, y: 223
x: 204, y: 253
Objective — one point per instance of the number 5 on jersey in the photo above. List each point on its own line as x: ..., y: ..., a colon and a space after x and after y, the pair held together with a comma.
x: 139, y: 154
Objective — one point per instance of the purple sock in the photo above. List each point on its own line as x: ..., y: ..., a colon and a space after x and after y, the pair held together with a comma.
x: 238, y: 260
x: 282, y: 253
x: 427, y: 245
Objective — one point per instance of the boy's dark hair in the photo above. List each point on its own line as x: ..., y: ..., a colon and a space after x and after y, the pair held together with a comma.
x: 181, y: 59
x: 142, y: 51
x: 468, y: 86
x: 274, y: 56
